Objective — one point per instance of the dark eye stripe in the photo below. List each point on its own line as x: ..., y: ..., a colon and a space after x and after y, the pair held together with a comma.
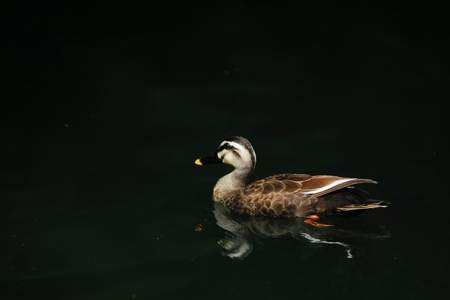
x: 226, y: 146
x: 236, y: 153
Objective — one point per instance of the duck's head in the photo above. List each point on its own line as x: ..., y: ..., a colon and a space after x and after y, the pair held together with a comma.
x: 235, y: 151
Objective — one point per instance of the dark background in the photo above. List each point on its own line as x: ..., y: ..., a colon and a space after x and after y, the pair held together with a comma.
x: 106, y: 105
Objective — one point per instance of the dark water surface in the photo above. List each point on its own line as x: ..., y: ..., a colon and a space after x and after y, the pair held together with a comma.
x: 101, y: 199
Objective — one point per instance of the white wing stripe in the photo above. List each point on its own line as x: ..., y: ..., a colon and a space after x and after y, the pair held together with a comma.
x: 328, y: 186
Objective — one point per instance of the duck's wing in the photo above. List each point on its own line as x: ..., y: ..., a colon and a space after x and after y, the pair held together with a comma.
x: 303, y: 184
x: 324, y: 184
x: 275, y: 186
x: 286, y: 194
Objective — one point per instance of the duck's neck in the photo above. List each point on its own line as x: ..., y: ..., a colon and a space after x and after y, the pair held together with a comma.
x: 228, y: 185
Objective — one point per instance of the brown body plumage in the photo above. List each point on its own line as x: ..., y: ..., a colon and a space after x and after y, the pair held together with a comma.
x: 294, y: 195
x: 283, y: 195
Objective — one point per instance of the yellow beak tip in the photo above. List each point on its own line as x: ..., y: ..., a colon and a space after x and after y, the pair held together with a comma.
x: 198, y: 162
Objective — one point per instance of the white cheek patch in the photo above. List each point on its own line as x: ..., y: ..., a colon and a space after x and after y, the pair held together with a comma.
x: 226, y: 156
x: 221, y: 154
x: 230, y: 158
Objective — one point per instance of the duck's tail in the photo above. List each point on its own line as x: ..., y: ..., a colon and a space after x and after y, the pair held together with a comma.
x: 371, y: 204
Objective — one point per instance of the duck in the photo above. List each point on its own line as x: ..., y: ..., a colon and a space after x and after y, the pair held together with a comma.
x: 286, y: 195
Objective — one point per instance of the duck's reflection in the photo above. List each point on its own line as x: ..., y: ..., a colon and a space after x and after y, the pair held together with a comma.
x: 242, y: 232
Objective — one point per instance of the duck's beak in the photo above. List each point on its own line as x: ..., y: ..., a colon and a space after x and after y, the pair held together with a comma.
x: 207, y: 160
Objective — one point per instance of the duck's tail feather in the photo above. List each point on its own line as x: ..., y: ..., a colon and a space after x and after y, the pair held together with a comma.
x: 369, y: 205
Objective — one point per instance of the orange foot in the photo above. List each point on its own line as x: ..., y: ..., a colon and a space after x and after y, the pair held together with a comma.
x: 312, y: 220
